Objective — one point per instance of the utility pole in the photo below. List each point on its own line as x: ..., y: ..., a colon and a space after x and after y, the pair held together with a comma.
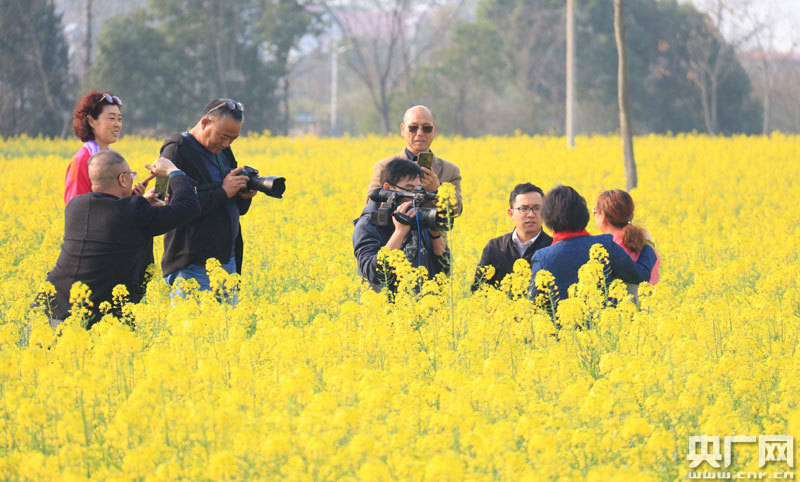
x: 570, y: 117
x: 334, y: 84
x: 87, y: 41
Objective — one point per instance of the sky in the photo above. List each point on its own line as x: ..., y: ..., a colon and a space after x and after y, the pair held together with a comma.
x: 781, y: 16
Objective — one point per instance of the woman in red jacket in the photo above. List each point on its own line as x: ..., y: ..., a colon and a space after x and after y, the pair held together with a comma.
x: 97, y: 121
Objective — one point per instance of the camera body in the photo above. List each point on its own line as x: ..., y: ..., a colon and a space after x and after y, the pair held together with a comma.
x: 272, y: 186
x: 428, y: 217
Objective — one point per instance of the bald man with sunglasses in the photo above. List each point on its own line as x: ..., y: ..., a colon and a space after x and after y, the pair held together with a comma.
x: 419, y: 129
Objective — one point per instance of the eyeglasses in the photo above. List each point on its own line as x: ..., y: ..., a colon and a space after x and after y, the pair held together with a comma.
x: 111, y: 99
x: 132, y: 174
x: 414, y: 128
x: 528, y: 209
x: 230, y: 104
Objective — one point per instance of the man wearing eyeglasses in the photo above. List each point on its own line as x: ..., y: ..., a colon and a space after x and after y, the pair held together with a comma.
x: 422, y: 247
x: 419, y: 129
x: 108, y: 233
x: 525, y: 210
x: 204, y: 154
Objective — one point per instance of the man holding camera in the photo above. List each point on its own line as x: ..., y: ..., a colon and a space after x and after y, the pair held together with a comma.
x: 108, y: 233
x: 421, y: 245
x: 204, y: 154
x: 419, y: 129
x: 525, y: 210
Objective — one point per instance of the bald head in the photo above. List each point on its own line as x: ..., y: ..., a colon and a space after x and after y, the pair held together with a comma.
x: 418, y: 128
x: 416, y: 112
x: 105, y: 168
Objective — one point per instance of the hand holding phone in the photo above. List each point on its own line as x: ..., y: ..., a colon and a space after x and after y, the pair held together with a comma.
x: 425, y: 159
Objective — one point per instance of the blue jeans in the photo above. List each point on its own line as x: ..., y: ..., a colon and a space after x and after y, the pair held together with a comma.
x: 199, y: 273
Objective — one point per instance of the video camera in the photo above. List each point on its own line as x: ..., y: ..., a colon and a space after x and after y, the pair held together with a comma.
x: 273, y: 186
x: 431, y: 218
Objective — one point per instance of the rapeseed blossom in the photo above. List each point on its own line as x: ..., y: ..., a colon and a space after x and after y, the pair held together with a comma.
x: 312, y: 375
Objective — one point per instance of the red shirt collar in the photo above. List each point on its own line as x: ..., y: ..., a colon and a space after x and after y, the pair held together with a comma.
x: 562, y: 235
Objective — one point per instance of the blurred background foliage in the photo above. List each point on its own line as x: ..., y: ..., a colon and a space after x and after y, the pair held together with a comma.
x: 353, y: 66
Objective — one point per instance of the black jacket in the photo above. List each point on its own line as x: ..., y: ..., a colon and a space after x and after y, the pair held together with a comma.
x: 368, y: 239
x: 209, y: 235
x: 109, y: 241
x: 501, y: 253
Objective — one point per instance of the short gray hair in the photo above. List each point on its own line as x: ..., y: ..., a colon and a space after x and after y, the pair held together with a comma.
x: 221, y: 108
x: 104, y: 166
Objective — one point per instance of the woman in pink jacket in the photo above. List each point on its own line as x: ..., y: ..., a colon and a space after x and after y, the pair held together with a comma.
x: 613, y: 215
x: 97, y: 121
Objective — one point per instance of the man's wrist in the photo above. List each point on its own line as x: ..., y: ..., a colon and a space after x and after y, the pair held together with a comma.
x: 435, y: 234
x: 175, y: 172
x: 402, y: 231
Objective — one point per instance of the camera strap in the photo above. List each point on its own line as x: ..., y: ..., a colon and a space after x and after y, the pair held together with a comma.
x: 419, y: 234
x: 219, y: 163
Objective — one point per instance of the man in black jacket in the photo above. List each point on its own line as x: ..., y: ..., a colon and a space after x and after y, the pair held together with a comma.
x: 108, y: 234
x: 204, y: 154
x: 422, y: 247
x: 525, y: 209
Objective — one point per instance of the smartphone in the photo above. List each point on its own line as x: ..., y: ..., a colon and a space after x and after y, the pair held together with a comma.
x: 425, y: 159
x: 162, y: 184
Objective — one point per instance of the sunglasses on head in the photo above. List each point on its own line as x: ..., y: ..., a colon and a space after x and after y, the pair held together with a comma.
x: 111, y: 99
x: 232, y: 106
x: 426, y: 129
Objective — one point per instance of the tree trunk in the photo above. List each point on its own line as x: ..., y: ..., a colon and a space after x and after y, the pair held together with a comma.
x: 765, y: 119
x: 706, y: 105
x: 622, y: 94
x: 714, y: 103
x: 287, y: 115
x: 570, y: 120
x: 223, y: 91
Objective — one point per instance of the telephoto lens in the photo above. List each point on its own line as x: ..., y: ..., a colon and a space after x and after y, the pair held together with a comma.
x: 273, y: 186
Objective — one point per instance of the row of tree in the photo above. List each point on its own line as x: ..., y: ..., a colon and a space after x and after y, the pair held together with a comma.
x: 166, y: 61
x: 508, y: 65
x: 496, y: 68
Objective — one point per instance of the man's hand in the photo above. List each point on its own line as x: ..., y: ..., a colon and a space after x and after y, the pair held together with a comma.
x: 138, y: 189
x: 406, y: 208
x: 430, y: 181
x: 248, y: 194
x: 400, y: 229
x: 234, y: 182
x: 161, y: 167
x: 152, y: 199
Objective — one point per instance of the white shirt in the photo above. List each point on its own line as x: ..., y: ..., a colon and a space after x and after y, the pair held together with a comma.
x: 522, y: 247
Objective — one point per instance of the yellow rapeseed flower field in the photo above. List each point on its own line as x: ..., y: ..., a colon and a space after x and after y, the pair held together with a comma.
x: 314, y: 377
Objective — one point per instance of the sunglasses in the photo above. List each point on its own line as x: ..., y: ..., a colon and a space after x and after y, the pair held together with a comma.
x: 110, y: 99
x: 426, y: 129
x: 230, y: 104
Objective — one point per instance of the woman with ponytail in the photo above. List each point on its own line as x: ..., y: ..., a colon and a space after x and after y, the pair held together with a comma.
x: 613, y: 215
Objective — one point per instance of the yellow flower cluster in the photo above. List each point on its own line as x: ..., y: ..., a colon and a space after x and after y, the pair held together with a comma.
x: 313, y: 376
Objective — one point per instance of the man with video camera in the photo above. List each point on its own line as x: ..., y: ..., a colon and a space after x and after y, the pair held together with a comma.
x: 393, y: 218
x: 204, y: 154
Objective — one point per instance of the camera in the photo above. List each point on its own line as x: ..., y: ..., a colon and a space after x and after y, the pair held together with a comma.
x: 273, y: 186
x: 431, y: 218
